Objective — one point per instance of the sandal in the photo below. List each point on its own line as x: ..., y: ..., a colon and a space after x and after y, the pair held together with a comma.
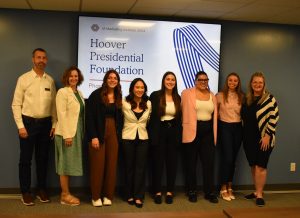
x: 224, y: 195
x: 230, y: 192
x: 70, y: 200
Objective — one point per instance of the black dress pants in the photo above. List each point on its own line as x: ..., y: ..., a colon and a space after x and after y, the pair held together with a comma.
x: 165, y: 155
x: 203, y: 145
x: 135, y: 157
x: 38, y: 142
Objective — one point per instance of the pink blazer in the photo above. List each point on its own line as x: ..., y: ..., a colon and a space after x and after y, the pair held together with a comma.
x: 189, y: 116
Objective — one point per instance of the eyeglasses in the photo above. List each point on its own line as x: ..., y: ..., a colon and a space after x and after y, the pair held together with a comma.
x: 202, y: 80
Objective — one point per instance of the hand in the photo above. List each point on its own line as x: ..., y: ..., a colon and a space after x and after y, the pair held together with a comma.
x: 265, y: 142
x: 95, y: 143
x: 52, y: 132
x: 23, y: 133
x: 68, y: 142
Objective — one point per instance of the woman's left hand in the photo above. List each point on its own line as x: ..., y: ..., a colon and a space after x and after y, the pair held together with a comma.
x: 68, y: 142
x: 265, y: 142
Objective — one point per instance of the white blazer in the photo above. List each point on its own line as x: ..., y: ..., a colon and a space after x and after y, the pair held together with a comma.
x: 67, y: 108
x: 132, y: 124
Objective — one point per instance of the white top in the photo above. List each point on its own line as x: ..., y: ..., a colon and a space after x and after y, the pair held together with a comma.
x: 132, y: 125
x: 34, y: 97
x: 204, y: 109
x: 170, y: 111
x: 68, y: 109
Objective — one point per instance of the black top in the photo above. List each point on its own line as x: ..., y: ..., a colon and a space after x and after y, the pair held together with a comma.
x: 110, y: 110
x: 251, y: 133
x: 155, y: 123
x: 95, y: 117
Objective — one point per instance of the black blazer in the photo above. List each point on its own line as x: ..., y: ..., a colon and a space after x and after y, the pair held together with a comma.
x: 154, y: 122
x: 95, y: 118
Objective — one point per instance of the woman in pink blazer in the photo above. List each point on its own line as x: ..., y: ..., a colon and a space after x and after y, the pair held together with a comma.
x: 199, y: 122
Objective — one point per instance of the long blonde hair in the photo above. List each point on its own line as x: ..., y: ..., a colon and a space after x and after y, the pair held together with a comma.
x: 238, y: 89
x: 250, y: 94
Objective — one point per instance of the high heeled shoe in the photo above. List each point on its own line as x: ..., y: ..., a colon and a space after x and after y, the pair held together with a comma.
x: 138, y: 203
x: 224, y: 196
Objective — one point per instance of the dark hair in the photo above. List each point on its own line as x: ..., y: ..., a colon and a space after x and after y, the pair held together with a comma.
x: 130, y: 96
x: 162, y: 96
x: 238, y: 89
x: 67, y: 73
x: 117, y: 89
x: 199, y: 73
x: 38, y: 49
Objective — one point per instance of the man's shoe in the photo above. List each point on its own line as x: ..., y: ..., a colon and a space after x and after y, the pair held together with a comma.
x: 211, y: 198
x: 42, y: 196
x: 250, y: 196
x: 27, y: 199
x: 192, y: 196
x: 260, y: 202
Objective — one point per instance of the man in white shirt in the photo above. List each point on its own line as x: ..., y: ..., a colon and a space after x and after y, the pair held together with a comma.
x: 34, y: 112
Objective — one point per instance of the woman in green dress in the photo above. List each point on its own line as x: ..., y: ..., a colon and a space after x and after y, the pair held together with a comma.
x: 69, y: 132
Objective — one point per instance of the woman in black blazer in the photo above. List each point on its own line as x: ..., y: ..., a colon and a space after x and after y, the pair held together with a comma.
x: 165, y: 135
x: 104, y: 122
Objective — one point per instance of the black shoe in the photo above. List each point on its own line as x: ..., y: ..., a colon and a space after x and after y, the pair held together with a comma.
x: 138, y: 205
x: 260, y: 202
x: 157, y: 199
x: 192, y: 196
x: 169, y: 199
x: 250, y: 196
x: 211, y: 198
x: 130, y: 201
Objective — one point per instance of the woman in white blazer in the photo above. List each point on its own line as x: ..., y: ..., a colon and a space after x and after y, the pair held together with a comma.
x: 69, y: 132
x: 136, y: 109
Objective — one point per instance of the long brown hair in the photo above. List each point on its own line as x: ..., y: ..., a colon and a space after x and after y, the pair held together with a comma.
x: 117, y: 89
x: 238, y: 89
x: 162, y: 96
x: 250, y: 94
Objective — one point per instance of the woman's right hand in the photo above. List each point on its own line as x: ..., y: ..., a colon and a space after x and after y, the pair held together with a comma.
x: 95, y: 143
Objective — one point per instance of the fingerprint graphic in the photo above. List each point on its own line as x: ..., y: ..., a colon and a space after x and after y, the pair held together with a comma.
x: 191, y: 49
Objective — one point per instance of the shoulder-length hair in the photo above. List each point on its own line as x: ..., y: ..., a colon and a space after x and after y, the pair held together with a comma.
x: 67, y: 73
x: 162, y: 96
x: 250, y: 94
x: 130, y: 96
x: 117, y: 89
x: 238, y: 89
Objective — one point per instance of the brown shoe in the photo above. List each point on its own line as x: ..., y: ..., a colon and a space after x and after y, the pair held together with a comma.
x: 42, y: 196
x: 27, y: 199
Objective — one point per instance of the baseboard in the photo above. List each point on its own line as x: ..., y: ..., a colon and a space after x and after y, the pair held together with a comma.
x: 268, y: 188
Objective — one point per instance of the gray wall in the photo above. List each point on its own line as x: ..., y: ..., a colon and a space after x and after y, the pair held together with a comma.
x: 245, y: 48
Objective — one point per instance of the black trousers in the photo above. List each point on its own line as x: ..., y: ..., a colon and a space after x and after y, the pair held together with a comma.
x: 135, y: 157
x: 230, y: 140
x: 38, y: 142
x: 165, y: 154
x: 203, y: 145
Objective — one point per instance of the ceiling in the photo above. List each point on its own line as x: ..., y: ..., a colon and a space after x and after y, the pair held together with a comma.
x: 265, y: 11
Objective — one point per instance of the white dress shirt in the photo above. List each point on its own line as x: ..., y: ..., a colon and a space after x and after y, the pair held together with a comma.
x: 34, y: 97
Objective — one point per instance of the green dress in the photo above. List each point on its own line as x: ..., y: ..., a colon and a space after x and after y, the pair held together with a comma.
x: 69, y: 159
